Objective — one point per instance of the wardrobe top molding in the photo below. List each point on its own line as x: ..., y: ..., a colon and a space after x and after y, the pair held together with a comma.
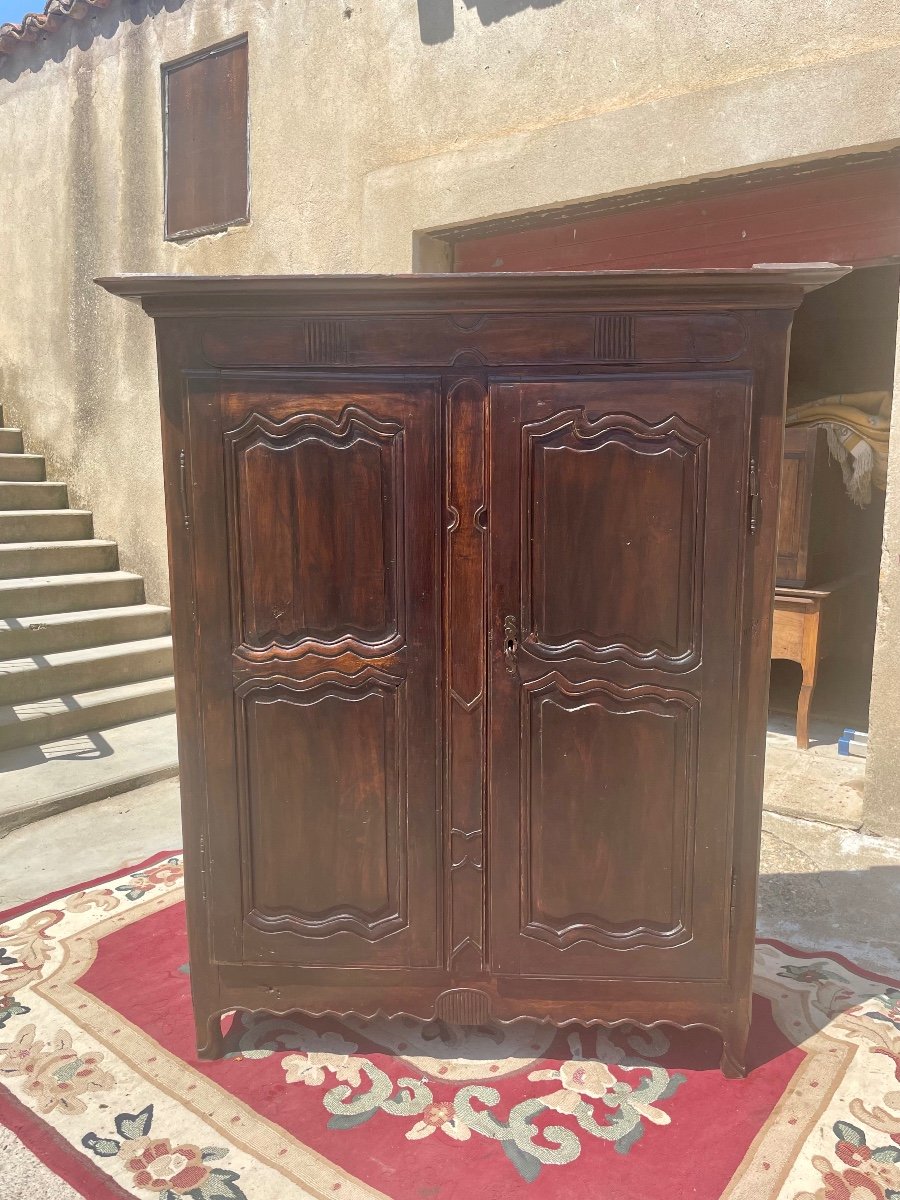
x: 776, y: 285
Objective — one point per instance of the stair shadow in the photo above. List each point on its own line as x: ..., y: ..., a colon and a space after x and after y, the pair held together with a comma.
x: 80, y: 747
x: 76, y: 748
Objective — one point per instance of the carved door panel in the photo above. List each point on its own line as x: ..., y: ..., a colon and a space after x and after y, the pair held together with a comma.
x: 317, y: 581
x: 616, y: 547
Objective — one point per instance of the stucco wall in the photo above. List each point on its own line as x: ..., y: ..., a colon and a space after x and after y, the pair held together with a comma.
x: 372, y: 120
x: 882, y: 799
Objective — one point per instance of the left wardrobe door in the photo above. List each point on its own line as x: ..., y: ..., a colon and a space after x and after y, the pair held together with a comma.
x: 316, y: 571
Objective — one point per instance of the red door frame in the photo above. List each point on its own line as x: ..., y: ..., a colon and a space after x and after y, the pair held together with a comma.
x: 846, y: 211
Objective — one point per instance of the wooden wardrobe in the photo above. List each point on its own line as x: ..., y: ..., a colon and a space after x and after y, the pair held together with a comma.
x: 472, y: 584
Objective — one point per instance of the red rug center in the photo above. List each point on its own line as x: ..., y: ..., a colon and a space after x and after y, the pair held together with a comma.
x: 140, y: 972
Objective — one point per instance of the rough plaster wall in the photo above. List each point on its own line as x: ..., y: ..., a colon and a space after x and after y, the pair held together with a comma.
x: 882, y: 800
x: 339, y: 89
x: 370, y: 120
x: 788, y: 117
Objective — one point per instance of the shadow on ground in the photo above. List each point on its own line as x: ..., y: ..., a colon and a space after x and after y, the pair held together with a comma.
x: 852, y: 912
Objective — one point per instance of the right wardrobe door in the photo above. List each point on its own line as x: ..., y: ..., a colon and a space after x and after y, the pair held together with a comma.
x: 617, y: 536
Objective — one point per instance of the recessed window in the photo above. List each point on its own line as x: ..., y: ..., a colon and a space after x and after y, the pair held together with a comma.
x: 206, y: 140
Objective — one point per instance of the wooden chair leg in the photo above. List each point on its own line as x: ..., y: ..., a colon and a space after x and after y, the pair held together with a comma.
x: 803, y: 705
x: 809, y: 661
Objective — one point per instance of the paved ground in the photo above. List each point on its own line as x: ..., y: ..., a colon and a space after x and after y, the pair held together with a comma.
x: 55, y: 853
x: 816, y: 783
x: 87, y: 842
x: 40, y: 781
x: 24, y: 1177
x: 821, y: 887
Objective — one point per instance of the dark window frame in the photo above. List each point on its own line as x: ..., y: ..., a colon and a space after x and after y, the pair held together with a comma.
x: 166, y: 69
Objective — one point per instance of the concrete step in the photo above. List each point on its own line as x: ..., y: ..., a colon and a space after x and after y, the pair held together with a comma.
x: 47, y: 634
x: 19, y: 466
x: 22, y: 559
x: 40, y: 721
x: 69, y: 593
x: 45, y: 525
x: 67, y: 671
x: 33, y: 495
x: 11, y: 441
x: 39, y: 781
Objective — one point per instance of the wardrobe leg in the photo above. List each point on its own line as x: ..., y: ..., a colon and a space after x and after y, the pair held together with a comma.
x: 210, y: 1043
x: 735, y: 1035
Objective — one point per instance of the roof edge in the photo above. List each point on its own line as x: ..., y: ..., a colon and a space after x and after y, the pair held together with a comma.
x: 55, y: 14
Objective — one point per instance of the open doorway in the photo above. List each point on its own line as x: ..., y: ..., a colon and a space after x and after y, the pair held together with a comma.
x: 842, y: 360
x: 843, y: 346
x: 829, y: 547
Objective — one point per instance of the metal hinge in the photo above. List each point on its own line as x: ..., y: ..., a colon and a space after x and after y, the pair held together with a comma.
x: 753, y: 497
x: 733, y: 894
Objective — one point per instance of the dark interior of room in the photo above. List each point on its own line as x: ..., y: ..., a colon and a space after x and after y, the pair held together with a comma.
x: 844, y: 341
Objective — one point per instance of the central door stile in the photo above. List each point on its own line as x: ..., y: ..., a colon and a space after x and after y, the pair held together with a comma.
x: 464, y: 673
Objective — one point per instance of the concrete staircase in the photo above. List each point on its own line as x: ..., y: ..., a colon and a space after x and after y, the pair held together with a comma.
x: 80, y: 650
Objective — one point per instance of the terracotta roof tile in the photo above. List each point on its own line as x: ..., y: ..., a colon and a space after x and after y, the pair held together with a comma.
x: 33, y: 25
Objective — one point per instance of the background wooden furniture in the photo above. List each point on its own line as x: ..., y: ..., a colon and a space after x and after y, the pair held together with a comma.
x: 807, y: 627
x: 821, y: 532
x: 472, y: 594
x: 806, y: 511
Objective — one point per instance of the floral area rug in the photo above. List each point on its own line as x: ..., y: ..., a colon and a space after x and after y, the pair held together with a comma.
x: 98, y: 1077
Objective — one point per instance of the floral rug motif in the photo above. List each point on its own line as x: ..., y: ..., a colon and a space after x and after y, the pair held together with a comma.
x: 99, y: 1078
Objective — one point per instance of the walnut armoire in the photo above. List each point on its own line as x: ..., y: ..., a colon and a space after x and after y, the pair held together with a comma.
x: 472, y: 582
